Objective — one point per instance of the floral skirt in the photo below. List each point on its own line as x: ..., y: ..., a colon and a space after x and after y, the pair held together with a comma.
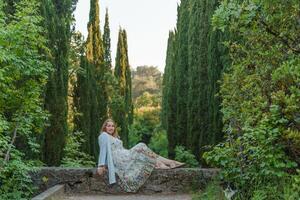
x: 135, y: 167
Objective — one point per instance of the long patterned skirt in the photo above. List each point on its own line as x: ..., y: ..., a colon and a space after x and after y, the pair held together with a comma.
x: 134, y: 166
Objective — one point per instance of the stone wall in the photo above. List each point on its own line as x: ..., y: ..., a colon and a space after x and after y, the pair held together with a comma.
x: 86, y: 180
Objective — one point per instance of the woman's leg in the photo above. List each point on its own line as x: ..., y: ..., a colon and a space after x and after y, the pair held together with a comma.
x: 143, y: 148
x: 171, y: 163
x: 161, y: 161
x: 149, y: 152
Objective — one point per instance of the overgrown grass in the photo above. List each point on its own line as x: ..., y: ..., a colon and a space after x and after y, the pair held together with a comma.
x: 213, y: 191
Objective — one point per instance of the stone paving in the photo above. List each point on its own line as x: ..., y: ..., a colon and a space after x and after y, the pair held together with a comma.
x: 131, y: 197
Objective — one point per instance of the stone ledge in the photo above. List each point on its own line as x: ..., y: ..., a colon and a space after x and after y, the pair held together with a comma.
x: 53, y: 193
x: 86, y: 180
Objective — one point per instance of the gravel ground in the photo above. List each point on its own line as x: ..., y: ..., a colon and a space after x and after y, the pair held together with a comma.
x: 130, y: 197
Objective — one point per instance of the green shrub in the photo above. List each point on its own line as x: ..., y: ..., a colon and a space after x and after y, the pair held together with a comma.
x: 213, y: 191
x: 159, y: 143
x: 23, y: 76
x: 15, y: 182
x: 186, y: 156
x: 73, y: 155
x: 260, y: 98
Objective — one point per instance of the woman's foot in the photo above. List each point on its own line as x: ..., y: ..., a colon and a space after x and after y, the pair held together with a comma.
x: 161, y: 165
x: 176, y: 164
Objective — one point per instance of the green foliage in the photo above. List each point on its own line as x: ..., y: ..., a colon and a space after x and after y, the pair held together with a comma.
x: 135, y: 134
x: 107, y: 43
x: 186, y: 156
x: 292, y: 189
x: 213, y: 191
x: 83, y: 101
x: 76, y: 51
x: 73, y: 156
x: 147, y: 99
x: 123, y: 115
x: 14, y: 178
x: 159, y: 143
x: 146, y: 79
x: 267, y: 192
x: 91, y: 97
x: 96, y: 70
x: 181, y: 73
x: 260, y: 98
x: 168, y: 116
x: 23, y: 75
x: 145, y: 122
x: 194, y: 64
x: 146, y: 92
x: 57, y: 25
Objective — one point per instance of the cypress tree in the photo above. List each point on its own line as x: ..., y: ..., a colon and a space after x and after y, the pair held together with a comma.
x: 181, y: 71
x: 128, y: 92
x: 57, y: 23
x: 108, y: 75
x: 91, y: 91
x: 82, y: 103
x: 193, y: 70
x: 123, y: 113
x: 169, y: 96
x: 165, y: 85
x: 107, y: 43
x: 207, y: 58
x: 197, y: 98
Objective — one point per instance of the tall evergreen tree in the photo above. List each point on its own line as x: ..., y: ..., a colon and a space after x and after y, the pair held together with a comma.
x: 108, y: 81
x: 123, y: 114
x: 181, y: 71
x: 91, y: 92
x: 94, y: 55
x: 197, y: 98
x: 207, y: 58
x: 82, y: 103
x: 57, y: 23
x: 128, y: 91
x: 107, y: 43
x: 169, y: 96
x: 194, y: 69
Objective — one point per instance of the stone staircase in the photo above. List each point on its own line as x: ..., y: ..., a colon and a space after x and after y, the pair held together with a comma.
x: 85, y: 181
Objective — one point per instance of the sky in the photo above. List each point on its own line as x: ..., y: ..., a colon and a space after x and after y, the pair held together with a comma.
x: 147, y: 23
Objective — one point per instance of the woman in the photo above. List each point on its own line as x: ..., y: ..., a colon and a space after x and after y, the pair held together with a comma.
x: 132, y: 166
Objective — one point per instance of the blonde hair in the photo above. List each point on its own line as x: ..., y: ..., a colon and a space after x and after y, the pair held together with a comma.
x: 103, y: 129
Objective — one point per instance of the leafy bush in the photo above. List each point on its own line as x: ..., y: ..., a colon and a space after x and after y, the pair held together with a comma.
x: 159, y: 143
x: 146, y: 121
x: 15, y: 182
x: 213, y: 191
x: 186, y: 156
x: 261, y: 98
x: 73, y: 155
x: 23, y: 75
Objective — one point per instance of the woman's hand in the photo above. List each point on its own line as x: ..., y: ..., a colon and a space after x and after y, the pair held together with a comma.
x: 101, y: 170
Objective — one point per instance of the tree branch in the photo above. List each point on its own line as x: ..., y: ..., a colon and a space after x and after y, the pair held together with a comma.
x: 282, y: 39
x: 11, y: 144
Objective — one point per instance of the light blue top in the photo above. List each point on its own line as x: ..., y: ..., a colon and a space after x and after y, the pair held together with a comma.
x: 105, y: 156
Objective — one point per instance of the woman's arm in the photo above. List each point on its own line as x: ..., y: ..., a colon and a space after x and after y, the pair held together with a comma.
x: 103, y: 141
x: 105, y: 158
